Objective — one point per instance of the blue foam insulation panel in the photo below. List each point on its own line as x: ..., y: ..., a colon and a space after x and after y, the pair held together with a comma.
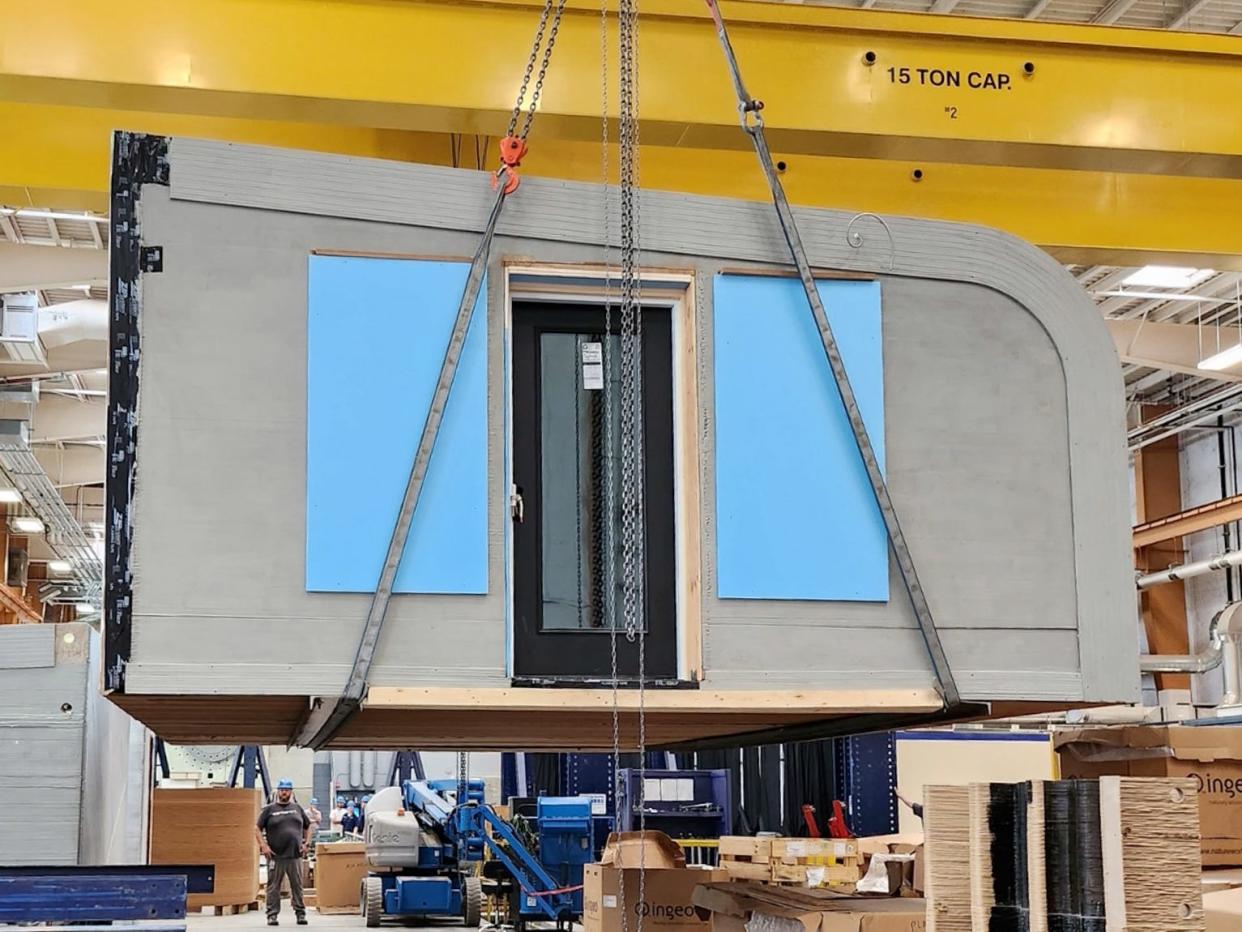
x: 377, y: 330
x: 795, y: 514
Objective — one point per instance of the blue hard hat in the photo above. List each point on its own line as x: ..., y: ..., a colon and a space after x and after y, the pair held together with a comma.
x: 340, y: 800
x: 285, y: 784
x: 366, y: 798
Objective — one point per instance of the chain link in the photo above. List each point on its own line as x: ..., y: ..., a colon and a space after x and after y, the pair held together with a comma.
x: 530, y: 66
x: 633, y: 460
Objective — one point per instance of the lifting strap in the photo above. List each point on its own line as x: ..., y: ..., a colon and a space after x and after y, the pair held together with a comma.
x: 327, y: 715
x: 752, y: 122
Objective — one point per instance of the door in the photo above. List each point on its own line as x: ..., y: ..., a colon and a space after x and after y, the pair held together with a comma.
x: 560, y: 629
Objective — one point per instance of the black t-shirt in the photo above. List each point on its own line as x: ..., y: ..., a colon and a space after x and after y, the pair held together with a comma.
x: 285, y: 826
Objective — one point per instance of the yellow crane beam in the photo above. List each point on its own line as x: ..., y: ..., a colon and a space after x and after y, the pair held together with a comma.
x: 1079, y: 216
x: 838, y: 82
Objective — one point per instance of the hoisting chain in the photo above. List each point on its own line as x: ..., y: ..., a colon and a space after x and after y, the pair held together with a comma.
x: 630, y: 415
x: 513, y: 145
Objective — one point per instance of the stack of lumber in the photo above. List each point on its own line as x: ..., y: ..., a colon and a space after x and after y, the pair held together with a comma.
x: 210, y: 825
x: 1116, y: 855
x: 807, y: 862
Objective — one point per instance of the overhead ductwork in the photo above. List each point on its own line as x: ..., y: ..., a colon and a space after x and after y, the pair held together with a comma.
x: 32, y: 268
x: 68, y: 337
x: 79, y: 464
x: 63, y: 418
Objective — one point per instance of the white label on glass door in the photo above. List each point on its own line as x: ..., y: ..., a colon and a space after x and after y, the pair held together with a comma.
x: 593, y: 366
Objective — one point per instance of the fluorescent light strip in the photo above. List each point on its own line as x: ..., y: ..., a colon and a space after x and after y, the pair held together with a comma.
x: 1225, y: 359
x: 28, y: 525
x: 50, y: 215
x: 10, y: 496
x: 59, y: 566
x: 1161, y: 296
x: 1168, y: 276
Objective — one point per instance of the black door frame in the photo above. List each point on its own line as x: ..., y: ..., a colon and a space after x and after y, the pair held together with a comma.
x: 530, y: 663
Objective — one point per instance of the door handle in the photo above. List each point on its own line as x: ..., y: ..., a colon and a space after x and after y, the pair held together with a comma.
x: 517, y: 506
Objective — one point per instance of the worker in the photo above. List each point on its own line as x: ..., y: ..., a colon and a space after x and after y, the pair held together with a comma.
x: 313, y: 813
x: 916, y: 808
x: 362, y: 814
x: 336, y: 815
x: 349, y: 822
x: 283, y: 833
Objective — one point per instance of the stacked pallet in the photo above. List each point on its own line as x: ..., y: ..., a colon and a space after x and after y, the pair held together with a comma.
x: 806, y: 862
x: 1117, y: 855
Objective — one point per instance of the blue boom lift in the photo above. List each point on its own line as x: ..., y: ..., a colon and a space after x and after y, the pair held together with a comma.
x: 424, y: 837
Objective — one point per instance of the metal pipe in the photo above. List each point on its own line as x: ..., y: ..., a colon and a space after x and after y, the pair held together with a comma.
x: 1233, y: 673
x: 1187, y: 425
x: 1210, y: 659
x: 355, y: 769
x: 1169, y: 417
x: 1187, y: 570
x: 368, y: 768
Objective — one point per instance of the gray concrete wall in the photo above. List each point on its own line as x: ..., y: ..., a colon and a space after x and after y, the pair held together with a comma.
x: 116, y: 773
x: 42, y: 710
x: 1004, y: 433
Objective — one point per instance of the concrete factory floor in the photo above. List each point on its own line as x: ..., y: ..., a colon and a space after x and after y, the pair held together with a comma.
x: 257, y: 919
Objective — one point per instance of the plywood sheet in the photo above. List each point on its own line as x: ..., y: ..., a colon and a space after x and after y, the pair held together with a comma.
x: 210, y: 825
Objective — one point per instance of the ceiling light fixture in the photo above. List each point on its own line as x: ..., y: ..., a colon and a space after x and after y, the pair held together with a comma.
x: 10, y: 496
x: 28, y: 524
x: 1229, y: 356
x: 59, y: 566
x: 50, y: 215
x: 1161, y: 296
x: 84, y: 608
x: 1167, y: 276
x: 1225, y: 359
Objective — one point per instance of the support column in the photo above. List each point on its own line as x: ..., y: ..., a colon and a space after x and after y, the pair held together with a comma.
x: 1158, y: 494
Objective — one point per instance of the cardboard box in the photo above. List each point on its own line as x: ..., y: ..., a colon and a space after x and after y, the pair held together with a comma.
x: 1222, y: 910
x: 751, y: 907
x: 906, y: 843
x: 340, y: 867
x: 667, y: 904
x: 1211, y: 756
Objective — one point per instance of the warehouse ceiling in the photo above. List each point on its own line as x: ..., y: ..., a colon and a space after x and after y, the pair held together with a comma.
x: 1163, y: 331
x: 1220, y: 16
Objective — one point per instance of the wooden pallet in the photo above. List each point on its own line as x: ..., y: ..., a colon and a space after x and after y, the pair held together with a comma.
x: 807, y: 862
x: 338, y: 910
x: 234, y: 909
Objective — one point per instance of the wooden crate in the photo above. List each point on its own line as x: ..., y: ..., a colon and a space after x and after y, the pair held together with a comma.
x: 745, y: 870
x: 213, y: 825
x: 810, y: 862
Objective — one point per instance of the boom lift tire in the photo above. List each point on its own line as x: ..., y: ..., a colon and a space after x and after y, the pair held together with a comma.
x: 372, y: 901
x: 471, y: 902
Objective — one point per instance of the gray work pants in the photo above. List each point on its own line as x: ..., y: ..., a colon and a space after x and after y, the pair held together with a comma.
x: 277, y: 870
